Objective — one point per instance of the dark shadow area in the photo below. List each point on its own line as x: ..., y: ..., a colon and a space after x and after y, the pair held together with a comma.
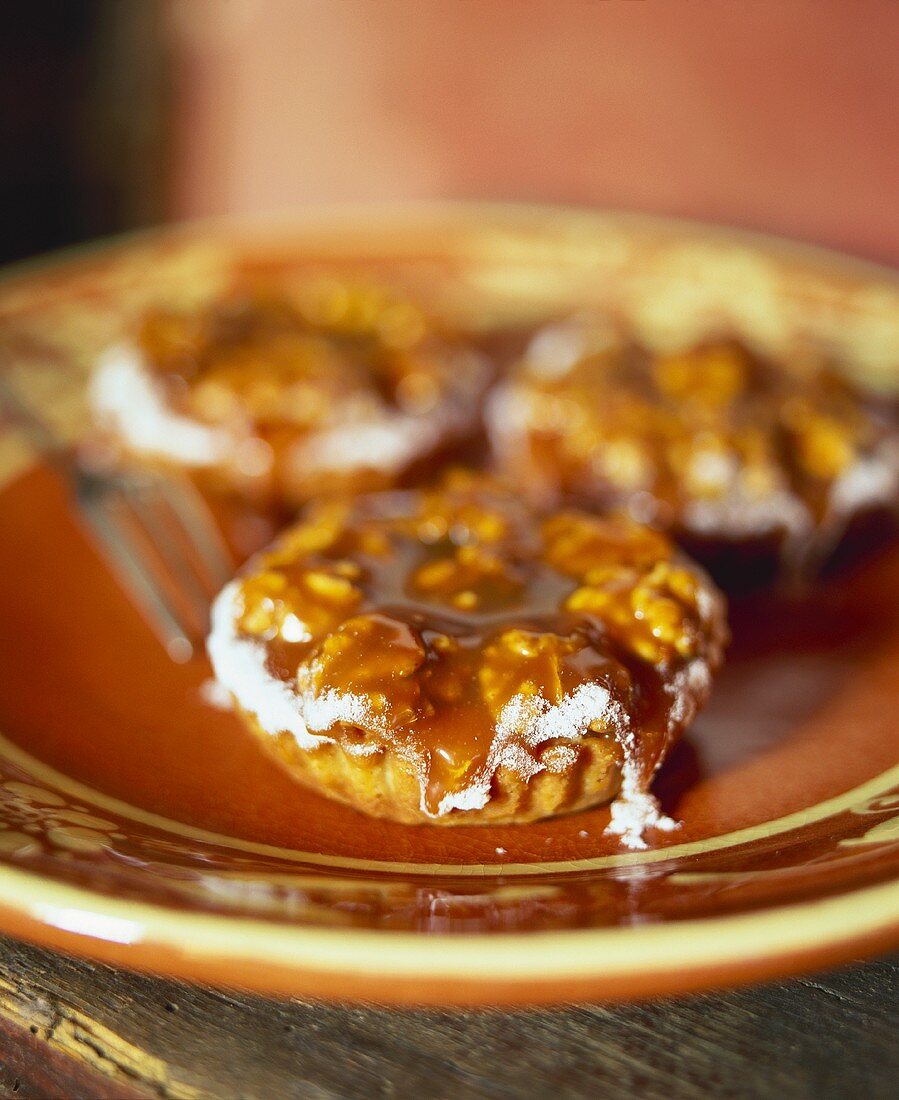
x: 83, y: 95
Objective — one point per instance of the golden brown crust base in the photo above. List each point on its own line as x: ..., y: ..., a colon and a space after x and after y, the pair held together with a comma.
x: 385, y: 785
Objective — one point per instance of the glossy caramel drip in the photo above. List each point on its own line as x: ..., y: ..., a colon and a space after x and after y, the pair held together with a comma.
x: 453, y: 617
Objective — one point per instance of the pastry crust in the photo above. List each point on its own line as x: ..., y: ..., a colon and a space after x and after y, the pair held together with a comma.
x: 451, y: 656
x: 385, y: 784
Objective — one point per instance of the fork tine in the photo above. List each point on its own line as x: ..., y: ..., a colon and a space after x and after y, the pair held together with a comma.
x: 124, y: 560
x: 204, y: 534
x: 145, y: 507
x: 102, y: 502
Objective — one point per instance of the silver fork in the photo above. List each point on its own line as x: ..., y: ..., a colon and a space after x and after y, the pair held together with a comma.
x: 156, y: 534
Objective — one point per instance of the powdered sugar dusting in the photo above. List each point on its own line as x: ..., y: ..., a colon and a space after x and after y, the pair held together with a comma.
x: 395, y: 440
x: 526, y: 722
x: 214, y: 695
x: 531, y: 720
x: 556, y: 348
x: 389, y: 445
x: 239, y: 666
x: 559, y: 758
x: 872, y: 479
x: 536, y: 720
x: 635, y: 810
x: 738, y: 514
x: 127, y: 400
x: 508, y: 418
x: 689, y: 687
x: 323, y: 710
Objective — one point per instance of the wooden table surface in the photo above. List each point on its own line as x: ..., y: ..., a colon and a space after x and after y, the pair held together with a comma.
x: 71, y: 1029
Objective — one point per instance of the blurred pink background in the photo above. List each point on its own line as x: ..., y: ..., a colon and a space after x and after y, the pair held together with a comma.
x: 770, y: 115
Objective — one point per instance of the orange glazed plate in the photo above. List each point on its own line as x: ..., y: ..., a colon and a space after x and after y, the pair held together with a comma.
x: 142, y: 826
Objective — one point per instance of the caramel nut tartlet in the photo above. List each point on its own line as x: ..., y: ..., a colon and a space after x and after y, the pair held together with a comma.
x: 281, y: 395
x: 452, y: 656
x: 734, y: 455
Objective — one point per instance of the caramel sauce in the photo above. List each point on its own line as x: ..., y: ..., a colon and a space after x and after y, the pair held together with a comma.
x: 278, y: 368
x: 439, y: 609
x: 712, y: 431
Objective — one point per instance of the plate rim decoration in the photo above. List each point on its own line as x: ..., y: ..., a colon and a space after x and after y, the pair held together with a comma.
x: 462, y: 968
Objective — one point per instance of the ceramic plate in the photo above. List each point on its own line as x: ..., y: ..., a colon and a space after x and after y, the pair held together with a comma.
x: 142, y: 826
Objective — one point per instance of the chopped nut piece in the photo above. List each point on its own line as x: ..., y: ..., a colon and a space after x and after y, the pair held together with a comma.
x: 372, y: 656
x: 313, y: 602
x: 472, y: 577
x: 523, y: 662
x: 579, y: 544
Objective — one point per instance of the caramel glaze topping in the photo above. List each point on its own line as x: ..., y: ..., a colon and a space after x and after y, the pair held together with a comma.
x: 713, y: 439
x: 280, y: 366
x: 456, y: 618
